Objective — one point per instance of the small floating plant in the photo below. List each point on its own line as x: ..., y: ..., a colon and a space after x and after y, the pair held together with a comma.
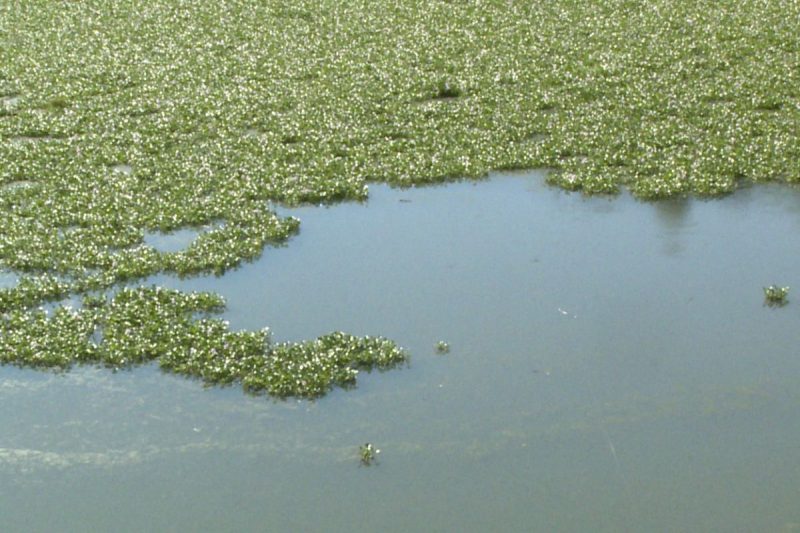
x: 776, y: 296
x: 442, y: 347
x: 368, y: 454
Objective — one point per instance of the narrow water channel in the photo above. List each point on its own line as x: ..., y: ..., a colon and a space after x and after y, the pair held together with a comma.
x: 612, y: 367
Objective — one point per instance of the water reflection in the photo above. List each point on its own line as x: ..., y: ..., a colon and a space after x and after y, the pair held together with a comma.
x: 674, y: 218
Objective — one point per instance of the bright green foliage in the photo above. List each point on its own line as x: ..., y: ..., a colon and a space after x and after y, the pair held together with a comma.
x: 38, y: 340
x: 312, y: 368
x: 368, y: 454
x: 442, y: 347
x: 146, y: 324
x: 776, y: 296
x: 120, y: 117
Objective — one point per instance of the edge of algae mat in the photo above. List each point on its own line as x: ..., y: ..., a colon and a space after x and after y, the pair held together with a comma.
x: 119, y: 118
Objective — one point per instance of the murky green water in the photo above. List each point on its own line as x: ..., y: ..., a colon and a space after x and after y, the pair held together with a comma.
x: 612, y: 368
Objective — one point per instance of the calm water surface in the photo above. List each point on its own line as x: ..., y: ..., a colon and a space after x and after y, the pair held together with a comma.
x: 612, y: 368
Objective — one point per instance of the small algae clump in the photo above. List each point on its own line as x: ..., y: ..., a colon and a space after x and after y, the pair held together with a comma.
x: 118, y: 121
x: 776, y: 296
x: 442, y: 347
x: 368, y: 454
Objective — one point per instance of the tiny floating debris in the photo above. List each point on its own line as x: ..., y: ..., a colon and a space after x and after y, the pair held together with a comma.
x: 776, y: 296
x: 368, y: 454
x: 442, y: 347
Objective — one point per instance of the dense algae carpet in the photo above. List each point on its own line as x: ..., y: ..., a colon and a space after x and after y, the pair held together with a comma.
x: 119, y: 117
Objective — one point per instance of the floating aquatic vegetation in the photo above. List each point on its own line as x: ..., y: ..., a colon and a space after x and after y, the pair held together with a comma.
x: 139, y: 325
x: 368, y: 454
x: 442, y: 348
x: 145, y: 132
x: 35, y: 339
x: 776, y: 296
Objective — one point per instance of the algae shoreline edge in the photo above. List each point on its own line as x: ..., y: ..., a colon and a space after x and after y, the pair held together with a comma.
x: 118, y: 119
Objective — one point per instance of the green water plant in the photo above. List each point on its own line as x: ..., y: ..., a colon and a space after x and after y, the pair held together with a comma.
x: 442, y: 347
x: 368, y: 454
x: 179, y: 332
x: 776, y: 296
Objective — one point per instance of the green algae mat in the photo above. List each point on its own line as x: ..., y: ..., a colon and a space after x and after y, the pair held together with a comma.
x: 122, y: 118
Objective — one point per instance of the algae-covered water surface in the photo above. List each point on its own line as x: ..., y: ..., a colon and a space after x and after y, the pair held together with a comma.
x: 163, y: 171
x: 612, y: 367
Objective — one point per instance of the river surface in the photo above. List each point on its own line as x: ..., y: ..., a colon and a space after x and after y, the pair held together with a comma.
x: 612, y: 367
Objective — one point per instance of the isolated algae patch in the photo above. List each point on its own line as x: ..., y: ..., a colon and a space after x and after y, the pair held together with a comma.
x: 120, y: 118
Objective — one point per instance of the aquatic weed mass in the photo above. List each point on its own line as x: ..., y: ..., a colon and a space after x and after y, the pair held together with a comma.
x: 123, y: 117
